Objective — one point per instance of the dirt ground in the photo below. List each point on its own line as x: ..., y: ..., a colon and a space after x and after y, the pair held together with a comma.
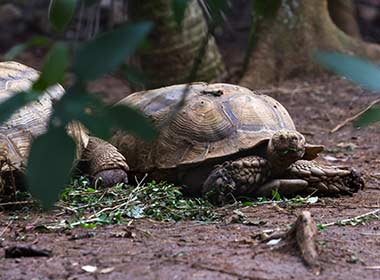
x: 223, y: 250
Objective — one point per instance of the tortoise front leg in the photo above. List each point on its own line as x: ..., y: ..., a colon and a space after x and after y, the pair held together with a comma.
x: 327, y: 180
x: 104, y: 162
x: 239, y: 177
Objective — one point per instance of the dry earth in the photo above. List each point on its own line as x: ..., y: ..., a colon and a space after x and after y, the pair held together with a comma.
x: 225, y: 250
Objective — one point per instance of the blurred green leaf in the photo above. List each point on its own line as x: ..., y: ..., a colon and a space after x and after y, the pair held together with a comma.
x: 54, y: 68
x: 129, y: 119
x: 179, y: 8
x: 78, y: 104
x: 359, y: 71
x: 48, y: 174
x: 88, y: 3
x: 12, y: 104
x: 266, y: 9
x: 36, y: 41
x: 108, y: 51
x: 134, y: 76
x: 85, y: 107
x: 15, y: 51
x: 61, y: 12
x: 371, y: 116
x: 217, y: 9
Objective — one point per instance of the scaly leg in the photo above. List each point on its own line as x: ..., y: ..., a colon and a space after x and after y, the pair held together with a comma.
x: 104, y: 161
x: 326, y: 180
x: 239, y: 177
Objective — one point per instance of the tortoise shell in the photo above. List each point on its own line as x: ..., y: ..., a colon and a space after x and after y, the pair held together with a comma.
x: 30, y: 121
x: 217, y: 120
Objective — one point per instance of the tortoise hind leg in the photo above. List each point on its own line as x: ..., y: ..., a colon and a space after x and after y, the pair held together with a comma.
x: 105, y: 162
x: 326, y: 180
x: 238, y: 177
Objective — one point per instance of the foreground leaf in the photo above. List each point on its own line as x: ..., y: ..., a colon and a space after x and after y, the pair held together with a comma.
x: 50, y: 161
x: 11, y: 105
x: 36, y: 41
x: 54, y: 68
x: 266, y: 9
x: 179, y: 9
x: 61, y: 12
x: 217, y: 9
x: 107, y: 52
x: 371, y: 116
x: 359, y: 71
x: 77, y: 104
x: 134, y: 76
x: 130, y: 120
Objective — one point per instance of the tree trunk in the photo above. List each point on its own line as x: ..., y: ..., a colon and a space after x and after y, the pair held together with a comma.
x: 174, y: 48
x: 286, y: 44
x: 343, y: 14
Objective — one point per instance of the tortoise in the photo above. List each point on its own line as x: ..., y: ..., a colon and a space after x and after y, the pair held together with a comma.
x: 225, y: 140
x: 16, y: 134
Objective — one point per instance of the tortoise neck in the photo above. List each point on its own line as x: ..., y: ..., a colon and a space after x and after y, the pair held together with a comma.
x: 280, y: 163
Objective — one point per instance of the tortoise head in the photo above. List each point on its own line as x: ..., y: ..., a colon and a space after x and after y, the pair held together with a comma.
x: 285, y: 147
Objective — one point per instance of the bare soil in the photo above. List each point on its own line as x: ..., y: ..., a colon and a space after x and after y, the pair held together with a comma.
x: 149, y: 249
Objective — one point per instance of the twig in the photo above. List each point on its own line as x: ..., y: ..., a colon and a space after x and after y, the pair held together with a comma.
x: 344, y: 221
x: 354, y: 117
x: 6, y: 227
x: 16, y: 203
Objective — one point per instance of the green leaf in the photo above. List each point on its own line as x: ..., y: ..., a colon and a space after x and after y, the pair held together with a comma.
x: 53, y: 70
x: 15, y: 51
x: 266, y: 9
x: 12, y: 104
x: 217, y: 9
x: 108, y: 51
x: 61, y: 12
x: 129, y: 119
x: 49, y: 165
x: 179, y: 8
x: 79, y: 105
x: 371, y: 116
x: 359, y: 71
x: 134, y: 76
x: 89, y: 3
x: 36, y: 41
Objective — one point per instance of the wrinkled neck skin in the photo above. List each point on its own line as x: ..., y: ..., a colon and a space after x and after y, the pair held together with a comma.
x: 280, y: 164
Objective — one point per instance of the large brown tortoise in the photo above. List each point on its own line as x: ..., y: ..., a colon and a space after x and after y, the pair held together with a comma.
x: 16, y: 134
x: 225, y: 140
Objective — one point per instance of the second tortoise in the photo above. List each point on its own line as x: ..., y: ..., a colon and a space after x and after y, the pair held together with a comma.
x: 100, y: 159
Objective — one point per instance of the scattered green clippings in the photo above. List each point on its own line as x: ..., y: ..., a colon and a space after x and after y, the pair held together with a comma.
x: 278, y: 199
x: 321, y: 227
x: 116, y: 205
x: 276, y: 196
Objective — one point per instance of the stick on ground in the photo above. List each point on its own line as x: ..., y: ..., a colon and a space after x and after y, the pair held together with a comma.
x: 354, y: 117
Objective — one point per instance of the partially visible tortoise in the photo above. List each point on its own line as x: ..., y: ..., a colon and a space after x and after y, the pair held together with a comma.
x: 227, y: 139
x: 16, y: 134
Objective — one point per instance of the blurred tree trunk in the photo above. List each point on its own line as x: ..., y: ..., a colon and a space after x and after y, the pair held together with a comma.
x: 286, y: 44
x: 343, y: 14
x: 174, y: 48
